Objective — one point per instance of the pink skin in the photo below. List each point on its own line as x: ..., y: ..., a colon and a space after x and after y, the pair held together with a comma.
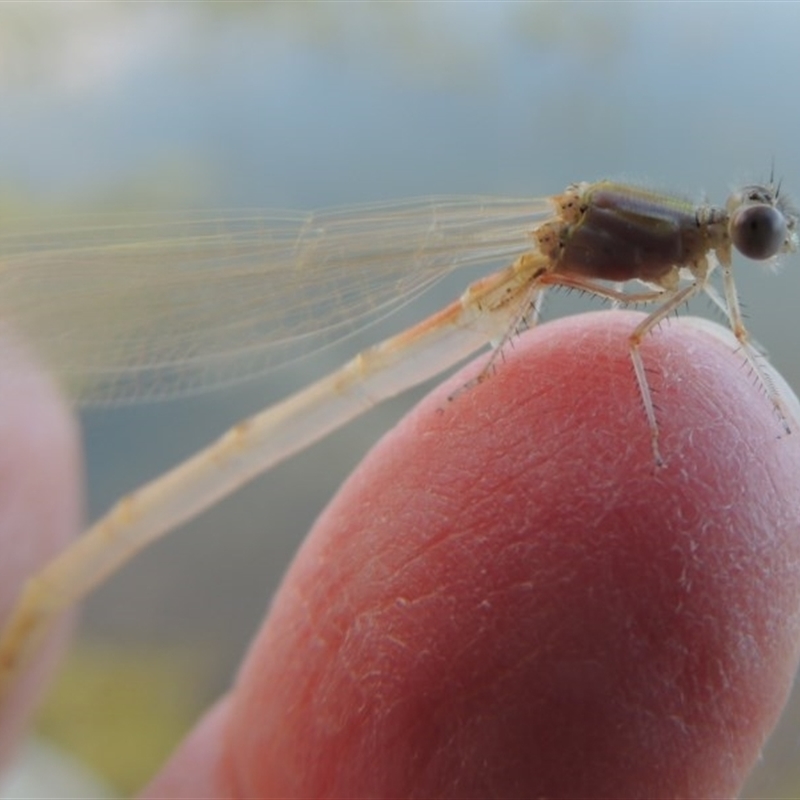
x: 41, y: 509
x: 507, y: 598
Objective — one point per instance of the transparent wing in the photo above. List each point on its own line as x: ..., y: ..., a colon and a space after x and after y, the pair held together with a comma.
x: 124, y: 310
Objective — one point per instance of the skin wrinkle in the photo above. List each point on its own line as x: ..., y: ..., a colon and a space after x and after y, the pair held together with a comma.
x: 418, y: 757
x: 746, y: 454
x: 715, y: 397
x: 486, y: 490
x: 497, y: 475
x: 456, y: 655
x: 771, y: 500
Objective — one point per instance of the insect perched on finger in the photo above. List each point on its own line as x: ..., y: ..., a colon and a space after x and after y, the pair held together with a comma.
x: 137, y: 310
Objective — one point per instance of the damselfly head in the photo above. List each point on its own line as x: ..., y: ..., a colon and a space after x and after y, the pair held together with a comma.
x: 762, y: 223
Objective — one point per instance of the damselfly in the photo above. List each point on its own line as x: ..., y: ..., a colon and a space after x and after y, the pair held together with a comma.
x: 129, y: 311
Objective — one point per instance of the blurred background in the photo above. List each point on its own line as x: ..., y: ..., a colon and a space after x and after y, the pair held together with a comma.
x: 300, y: 105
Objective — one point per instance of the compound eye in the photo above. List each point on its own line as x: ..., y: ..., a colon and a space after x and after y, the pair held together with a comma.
x: 758, y: 231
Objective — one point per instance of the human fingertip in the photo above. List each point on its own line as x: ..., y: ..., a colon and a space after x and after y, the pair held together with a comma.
x: 508, y: 599
x: 192, y: 772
